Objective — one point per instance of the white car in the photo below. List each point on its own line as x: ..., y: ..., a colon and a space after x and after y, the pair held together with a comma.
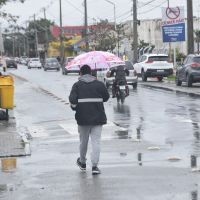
x: 34, y: 63
x: 154, y: 65
x: 131, y: 79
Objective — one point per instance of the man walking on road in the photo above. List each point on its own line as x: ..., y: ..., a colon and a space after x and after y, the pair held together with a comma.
x: 86, y: 98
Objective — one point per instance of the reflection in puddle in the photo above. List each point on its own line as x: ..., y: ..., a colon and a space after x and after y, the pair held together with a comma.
x: 138, y: 134
x: 194, y: 195
x: 8, y: 164
x: 122, y: 134
x: 3, y: 188
x: 139, y: 159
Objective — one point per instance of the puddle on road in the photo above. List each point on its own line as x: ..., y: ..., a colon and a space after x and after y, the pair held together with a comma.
x: 122, y: 134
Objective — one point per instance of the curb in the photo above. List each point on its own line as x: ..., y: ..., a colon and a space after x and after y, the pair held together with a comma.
x: 172, y: 88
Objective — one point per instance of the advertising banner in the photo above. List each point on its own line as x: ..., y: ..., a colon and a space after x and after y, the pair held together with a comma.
x: 173, y: 24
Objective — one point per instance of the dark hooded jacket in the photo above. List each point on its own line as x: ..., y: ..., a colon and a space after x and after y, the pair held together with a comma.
x: 86, y: 98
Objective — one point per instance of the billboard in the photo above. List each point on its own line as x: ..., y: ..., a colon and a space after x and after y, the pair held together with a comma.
x: 173, y: 24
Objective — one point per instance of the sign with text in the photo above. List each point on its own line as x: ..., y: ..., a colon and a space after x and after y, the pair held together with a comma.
x: 174, y: 33
x: 173, y: 24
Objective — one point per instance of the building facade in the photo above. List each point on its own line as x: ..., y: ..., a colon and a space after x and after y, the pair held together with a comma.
x: 150, y: 31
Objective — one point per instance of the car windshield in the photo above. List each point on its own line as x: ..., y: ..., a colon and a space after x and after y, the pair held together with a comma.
x: 35, y: 59
x: 158, y: 58
x: 129, y: 65
x: 50, y: 60
x: 196, y: 59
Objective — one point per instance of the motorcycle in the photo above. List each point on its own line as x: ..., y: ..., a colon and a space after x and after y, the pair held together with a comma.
x: 122, y: 92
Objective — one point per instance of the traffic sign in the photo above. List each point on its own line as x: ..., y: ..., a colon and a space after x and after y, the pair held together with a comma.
x: 173, y: 24
x: 173, y: 13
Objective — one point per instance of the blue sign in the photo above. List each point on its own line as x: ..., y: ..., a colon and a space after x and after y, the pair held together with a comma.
x: 173, y: 33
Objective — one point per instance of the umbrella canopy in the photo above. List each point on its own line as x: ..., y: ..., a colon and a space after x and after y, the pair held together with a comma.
x: 96, y: 60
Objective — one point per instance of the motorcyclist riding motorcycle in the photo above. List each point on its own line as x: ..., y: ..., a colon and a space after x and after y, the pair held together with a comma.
x: 120, y: 78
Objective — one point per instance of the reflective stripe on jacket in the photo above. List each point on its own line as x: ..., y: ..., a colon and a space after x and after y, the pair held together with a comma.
x: 88, y: 96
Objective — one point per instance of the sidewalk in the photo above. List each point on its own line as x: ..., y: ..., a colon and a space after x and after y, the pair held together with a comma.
x: 11, y: 143
x: 171, y: 86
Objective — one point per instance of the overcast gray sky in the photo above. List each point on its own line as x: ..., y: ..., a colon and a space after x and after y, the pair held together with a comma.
x: 73, y: 11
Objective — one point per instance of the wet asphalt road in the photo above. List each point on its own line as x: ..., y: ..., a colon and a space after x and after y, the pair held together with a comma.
x: 152, y: 127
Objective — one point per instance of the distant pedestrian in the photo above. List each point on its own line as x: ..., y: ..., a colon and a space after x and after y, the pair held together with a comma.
x: 86, y: 98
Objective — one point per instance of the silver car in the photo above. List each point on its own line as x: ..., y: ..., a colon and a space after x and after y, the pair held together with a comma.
x: 51, y: 64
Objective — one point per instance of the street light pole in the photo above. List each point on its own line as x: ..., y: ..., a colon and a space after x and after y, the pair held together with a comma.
x: 86, y: 26
x: 114, y: 11
x: 135, y: 34
x: 61, y: 35
x: 36, y: 38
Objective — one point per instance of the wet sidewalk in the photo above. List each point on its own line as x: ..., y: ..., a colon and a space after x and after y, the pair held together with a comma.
x: 11, y: 143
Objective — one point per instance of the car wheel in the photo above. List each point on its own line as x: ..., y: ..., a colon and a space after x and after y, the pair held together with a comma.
x: 178, y: 82
x: 160, y: 79
x: 29, y: 67
x: 58, y: 69
x: 45, y: 69
x: 189, y: 81
x: 144, y: 77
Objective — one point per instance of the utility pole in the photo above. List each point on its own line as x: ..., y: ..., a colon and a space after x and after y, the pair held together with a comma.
x: 46, y: 34
x: 190, y: 29
x: 36, y: 38
x: 135, y: 34
x: 61, y: 36
x: 114, y: 11
x: 86, y: 26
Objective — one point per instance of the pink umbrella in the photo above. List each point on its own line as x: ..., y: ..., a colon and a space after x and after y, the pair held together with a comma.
x: 97, y: 60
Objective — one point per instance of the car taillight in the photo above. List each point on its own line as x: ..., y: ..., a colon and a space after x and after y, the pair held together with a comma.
x: 194, y: 65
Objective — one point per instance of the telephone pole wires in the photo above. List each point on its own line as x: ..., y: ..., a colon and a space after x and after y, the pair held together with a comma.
x: 190, y: 29
x: 135, y: 34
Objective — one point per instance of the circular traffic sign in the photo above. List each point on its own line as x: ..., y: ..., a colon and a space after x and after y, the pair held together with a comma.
x: 173, y: 13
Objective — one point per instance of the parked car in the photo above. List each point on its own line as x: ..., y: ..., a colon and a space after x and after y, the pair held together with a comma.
x: 34, y: 63
x: 189, y: 72
x: 154, y: 65
x: 51, y: 63
x: 23, y: 60
x: 74, y: 69
x: 11, y: 63
x: 131, y: 79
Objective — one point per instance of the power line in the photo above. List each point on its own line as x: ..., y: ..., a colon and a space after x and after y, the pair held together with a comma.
x: 145, y: 4
x: 76, y: 8
x: 152, y: 8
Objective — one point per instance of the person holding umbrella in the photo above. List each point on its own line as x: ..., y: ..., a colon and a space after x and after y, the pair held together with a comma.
x: 86, y: 98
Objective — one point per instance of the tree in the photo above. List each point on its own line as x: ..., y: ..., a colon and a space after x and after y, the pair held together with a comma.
x: 103, y: 36
x: 42, y: 26
x: 8, y: 16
